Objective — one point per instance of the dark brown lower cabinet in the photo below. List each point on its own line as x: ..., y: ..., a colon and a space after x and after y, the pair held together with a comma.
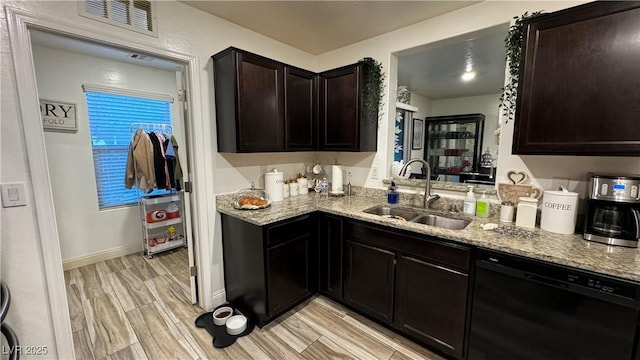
x: 331, y: 250
x: 413, y: 283
x: 369, y: 280
x: 288, y: 273
x: 269, y: 269
x: 431, y: 303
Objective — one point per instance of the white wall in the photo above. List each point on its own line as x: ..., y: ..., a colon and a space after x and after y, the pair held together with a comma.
x: 82, y: 227
x: 473, y: 18
x: 424, y: 109
x: 184, y: 29
x: 181, y: 29
x: 484, y: 104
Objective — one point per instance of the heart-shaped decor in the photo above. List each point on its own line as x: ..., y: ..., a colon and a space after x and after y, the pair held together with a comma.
x: 517, y: 177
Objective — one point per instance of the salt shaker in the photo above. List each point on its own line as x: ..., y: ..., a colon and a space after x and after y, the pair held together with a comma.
x: 527, y: 212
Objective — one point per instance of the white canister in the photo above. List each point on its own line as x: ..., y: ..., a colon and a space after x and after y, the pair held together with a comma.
x: 303, y: 186
x: 294, y: 189
x: 285, y: 190
x: 273, y: 185
x: 527, y: 212
x: 506, y: 212
x: 559, y: 212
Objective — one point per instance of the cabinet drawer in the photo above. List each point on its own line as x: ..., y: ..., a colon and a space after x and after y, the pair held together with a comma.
x: 290, y: 229
x: 419, y: 246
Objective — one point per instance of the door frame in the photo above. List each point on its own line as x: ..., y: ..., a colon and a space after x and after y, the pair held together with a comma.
x: 20, y: 22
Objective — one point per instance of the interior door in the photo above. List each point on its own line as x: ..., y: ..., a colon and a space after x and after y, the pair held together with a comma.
x: 182, y: 118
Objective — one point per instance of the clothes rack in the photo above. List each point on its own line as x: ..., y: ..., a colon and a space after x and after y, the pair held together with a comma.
x: 161, y: 215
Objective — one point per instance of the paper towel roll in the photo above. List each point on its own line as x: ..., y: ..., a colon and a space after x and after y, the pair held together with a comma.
x: 336, y: 178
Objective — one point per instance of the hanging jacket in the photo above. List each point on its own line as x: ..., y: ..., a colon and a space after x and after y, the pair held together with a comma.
x: 140, y: 170
x: 170, y: 158
x: 178, y: 168
x: 159, y: 163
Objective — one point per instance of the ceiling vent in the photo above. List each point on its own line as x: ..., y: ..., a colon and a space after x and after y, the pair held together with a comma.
x: 136, y: 15
x: 140, y: 57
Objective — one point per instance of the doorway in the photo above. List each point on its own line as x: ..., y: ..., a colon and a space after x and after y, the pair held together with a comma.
x: 96, y: 216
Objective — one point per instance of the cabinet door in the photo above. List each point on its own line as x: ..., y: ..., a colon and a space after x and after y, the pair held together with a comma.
x: 331, y: 256
x: 288, y: 273
x: 578, y: 90
x: 300, y: 109
x: 340, y: 109
x: 260, y: 101
x: 369, y: 280
x: 431, y: 303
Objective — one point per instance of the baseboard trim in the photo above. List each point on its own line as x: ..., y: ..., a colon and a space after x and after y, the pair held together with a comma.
x: 218, y: 298
x: 101, y: 256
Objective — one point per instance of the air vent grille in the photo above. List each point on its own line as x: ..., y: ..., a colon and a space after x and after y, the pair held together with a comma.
x: 137, y: 15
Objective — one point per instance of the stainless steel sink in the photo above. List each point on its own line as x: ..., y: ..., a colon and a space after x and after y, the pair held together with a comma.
x: 393, y: 212
x: 442, y: 222
x: 419, y: 216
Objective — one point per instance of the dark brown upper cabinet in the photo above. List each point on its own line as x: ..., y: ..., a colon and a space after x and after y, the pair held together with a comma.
x: 300, y: 116
x: 249, y: 102
x: 579, y: 83
x: 343, y: 125
x: 263, y: 105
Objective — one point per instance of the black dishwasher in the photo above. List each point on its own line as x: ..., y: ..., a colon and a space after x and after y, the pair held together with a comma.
x: 524, y: 309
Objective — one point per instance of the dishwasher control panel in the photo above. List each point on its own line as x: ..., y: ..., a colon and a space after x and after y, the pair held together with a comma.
x: 559, y: 275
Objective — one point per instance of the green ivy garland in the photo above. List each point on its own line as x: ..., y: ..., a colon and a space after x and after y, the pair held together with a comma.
x: 513, y: 44
x: 373, y: 90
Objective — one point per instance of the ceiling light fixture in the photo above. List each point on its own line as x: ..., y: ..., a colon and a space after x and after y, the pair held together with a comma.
x: 468, y: 74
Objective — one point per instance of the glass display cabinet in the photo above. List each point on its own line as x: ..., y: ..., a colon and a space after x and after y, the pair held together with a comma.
x: 453, y: 145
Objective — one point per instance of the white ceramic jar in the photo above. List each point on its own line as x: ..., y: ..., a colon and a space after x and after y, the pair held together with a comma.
x: 273, y: 185
x: 527, y: 212
x: 559, y: 212
x: 294, y: 189
x: 506, y: 212
x: 303, y: 186
x: 285, y: 190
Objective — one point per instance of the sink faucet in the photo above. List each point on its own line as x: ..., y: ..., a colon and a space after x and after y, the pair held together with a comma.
x: 428, y: 198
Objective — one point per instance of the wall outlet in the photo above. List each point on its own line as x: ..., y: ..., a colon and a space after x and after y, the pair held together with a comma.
x: 374, y: 172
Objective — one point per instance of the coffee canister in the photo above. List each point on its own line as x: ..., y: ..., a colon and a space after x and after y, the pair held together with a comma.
x: 559, y: 212
x: 273, y: 182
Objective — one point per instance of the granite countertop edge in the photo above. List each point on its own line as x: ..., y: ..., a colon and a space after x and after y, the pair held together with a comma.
x: 567, y: 250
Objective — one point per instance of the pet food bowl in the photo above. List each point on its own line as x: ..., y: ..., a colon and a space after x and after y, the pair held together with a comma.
x: 236, y: 325
x: 221, y: 315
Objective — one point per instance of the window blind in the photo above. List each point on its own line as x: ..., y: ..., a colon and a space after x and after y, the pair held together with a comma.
x: 110, y: 119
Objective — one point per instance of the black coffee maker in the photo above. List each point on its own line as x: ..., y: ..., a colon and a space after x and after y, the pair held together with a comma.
x: 613, y: 210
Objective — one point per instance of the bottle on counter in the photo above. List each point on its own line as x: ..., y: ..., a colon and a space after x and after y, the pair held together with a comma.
x: 392, y: 195
x: 482, y: 206
x: 470, y: 202
x: 324, y: 188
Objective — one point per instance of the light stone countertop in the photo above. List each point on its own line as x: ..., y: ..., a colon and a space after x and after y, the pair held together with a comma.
x: 569, y: 250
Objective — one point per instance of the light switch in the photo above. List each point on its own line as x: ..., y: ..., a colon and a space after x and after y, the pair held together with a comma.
x: 13, y: 195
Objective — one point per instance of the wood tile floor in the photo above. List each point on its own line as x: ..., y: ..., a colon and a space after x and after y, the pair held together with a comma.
x: 138, y: 308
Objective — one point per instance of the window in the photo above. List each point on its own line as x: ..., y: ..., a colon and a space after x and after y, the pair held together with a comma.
x: 110, y: 118
x: 402, y: 130
x: 137, y: 15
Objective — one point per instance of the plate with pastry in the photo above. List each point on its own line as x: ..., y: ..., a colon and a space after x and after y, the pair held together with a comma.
x: 253, y: 199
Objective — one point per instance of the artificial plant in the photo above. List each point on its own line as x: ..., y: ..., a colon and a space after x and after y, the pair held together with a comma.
x: 513, y: 45
x: 373, y: 90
